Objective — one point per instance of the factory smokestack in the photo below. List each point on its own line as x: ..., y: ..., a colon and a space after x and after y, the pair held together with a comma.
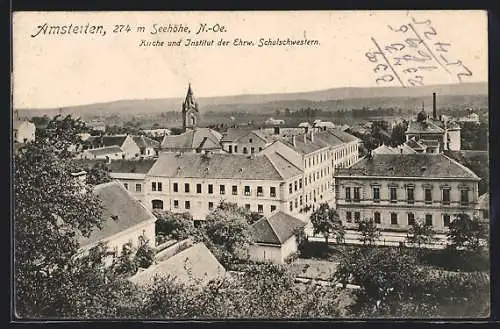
x: 434, y: 109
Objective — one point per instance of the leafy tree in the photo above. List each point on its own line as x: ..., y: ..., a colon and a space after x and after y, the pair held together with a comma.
x: 398, y: 136
x: 177, y: 226
x: 50, y: 210
x: 125, y: 264
x: 301, y: 238
x: 145, y: 254
x: 467, y: 232
x: 326, y: 221
x: 98, y: 174
x: 420, y: 234
x: 387, y: 278
x: 421, y: 116
x: 226, y: 231
x: 61, y: 133
x: 369, y: 231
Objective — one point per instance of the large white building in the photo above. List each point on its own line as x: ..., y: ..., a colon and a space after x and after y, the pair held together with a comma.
x: 396, y: 189
x: 197, y: 183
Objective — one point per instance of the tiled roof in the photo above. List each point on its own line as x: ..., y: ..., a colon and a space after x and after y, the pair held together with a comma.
x: 322, y: 139
x: 342, y: 135
x: 427, y: 127
x: 120, y: 212
x: 116, y: 140
x: 131, y: 166
x: 429, y: 142
x: 276, y: 229
x: 384, y: 149
x: 233, y: 134
x: 144, y: 142
x: 227, y: 166
x: 105, y: 150
x: 140, y: 166
x: 412, y: 143
x: 420, y: 165
x: 189, y: 265
x: 200, y: 138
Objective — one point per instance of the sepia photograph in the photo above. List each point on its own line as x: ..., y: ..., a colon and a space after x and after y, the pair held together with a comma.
x: 265, y: 165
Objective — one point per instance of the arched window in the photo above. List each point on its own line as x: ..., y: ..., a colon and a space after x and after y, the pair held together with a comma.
x: 157, y: 204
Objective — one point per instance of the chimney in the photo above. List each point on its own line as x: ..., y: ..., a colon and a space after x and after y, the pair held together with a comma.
x: 293, y: 141
x: 434, y: 109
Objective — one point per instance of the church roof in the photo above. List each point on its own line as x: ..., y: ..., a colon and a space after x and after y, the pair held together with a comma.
x: 189, y: 101
x: 197, y: 139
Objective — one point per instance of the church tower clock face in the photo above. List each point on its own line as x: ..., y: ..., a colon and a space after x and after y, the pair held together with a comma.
x: 190, y: 113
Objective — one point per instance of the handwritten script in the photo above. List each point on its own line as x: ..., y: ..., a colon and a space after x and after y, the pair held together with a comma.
x: 416, y: 52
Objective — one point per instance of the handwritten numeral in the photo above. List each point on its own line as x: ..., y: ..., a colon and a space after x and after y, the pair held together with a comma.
x: 410, y: 70
x: 418, y: 80
x: 395, y: 47
x: 433, y: 32
x: 413, y: 42
x: 372, y: 56
x: 467, y: 74
x: 385, y: 78
x: 441, y: 45
x: 380, y: 67
x: 424, y: 54
x: 427, y: 21
x: 402, y: 28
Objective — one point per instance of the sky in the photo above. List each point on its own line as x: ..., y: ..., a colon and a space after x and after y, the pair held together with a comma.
x: 64, y: 70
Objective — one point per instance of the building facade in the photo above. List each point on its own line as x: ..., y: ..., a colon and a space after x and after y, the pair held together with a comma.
x: 396, y: 189
x: 197, y: 183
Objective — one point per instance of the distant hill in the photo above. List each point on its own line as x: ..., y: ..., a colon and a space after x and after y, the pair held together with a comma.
x: 466, y: 94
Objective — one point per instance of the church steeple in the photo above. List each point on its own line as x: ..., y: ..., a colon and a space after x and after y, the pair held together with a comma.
x: 190, y: 114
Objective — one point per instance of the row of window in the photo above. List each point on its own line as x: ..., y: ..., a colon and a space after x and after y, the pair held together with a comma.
x: 410, y: 195
x: 245, y: 149
x: 394, y: 218
x: 344, y: 152
x: 138, y: 187
x: 316, y: 159
x: 247, y: 190
x: 158, y: 204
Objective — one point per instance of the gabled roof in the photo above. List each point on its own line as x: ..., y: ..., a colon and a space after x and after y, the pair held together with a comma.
x: 199, y: 138
x: 427, y: 127
x: 140, y: 166
x: 121, y: 211
x: 276, y: 229
x: 415, y: 145
x: 144, y: 142
x: 224, y: 166
x: 105, y: 150
x: 116, y: 140
x: 418, y: 165
x: 384, y: 149
x: 189, y: 265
